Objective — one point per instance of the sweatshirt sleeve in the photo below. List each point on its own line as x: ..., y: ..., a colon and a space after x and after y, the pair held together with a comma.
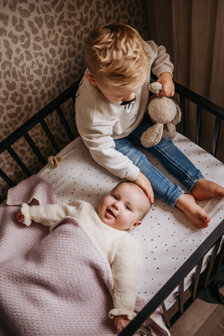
x: 125, y: 270
x: 49, y: 215
x: 159, y: 59
x: 98, y: 139
x: 95, y: 126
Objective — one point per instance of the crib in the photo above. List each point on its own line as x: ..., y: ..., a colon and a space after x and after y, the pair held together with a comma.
x: 204, y: 261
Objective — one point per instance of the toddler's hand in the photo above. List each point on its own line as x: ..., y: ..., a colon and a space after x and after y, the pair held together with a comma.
x: 168, y: 85
x: 20, y: 217
x: 144, y: 183
x: 120, y: 322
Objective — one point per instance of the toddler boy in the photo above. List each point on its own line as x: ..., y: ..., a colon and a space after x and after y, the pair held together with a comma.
x: 111, y: 102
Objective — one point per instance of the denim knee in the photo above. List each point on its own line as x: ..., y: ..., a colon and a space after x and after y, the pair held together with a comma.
x: 176, y: 163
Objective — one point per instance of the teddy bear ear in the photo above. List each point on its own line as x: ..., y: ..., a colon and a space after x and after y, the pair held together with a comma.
x: 155, y: 87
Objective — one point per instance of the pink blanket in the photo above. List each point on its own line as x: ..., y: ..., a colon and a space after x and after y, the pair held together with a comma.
x: 51, y: 284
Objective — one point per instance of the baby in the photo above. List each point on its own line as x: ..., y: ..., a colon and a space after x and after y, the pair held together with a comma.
x: 118, y: 212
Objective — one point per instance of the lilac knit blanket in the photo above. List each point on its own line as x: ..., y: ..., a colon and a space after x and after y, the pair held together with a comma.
x: 51, y: 284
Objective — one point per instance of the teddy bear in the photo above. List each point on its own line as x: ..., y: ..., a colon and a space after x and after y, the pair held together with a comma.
x: 165, y: 114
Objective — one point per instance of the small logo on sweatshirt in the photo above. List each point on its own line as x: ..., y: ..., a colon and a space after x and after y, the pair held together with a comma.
x: 128, y: 105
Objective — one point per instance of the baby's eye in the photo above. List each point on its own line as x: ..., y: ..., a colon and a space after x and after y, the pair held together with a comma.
x: 115, y: 197
x: 128, y: 207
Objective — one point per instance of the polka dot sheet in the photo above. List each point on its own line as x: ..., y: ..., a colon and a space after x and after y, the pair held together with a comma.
x: 166, y: 235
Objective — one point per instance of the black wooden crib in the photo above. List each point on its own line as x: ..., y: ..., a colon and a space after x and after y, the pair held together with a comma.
x: 214, y: 242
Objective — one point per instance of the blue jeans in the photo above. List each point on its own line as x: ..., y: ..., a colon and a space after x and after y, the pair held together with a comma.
x: 175, y: 162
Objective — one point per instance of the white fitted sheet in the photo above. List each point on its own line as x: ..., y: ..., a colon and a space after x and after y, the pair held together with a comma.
x: 167, y: 236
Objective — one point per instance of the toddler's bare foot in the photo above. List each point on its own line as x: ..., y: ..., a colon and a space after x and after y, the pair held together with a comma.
x: 205, y: 189
x: 193, y: 211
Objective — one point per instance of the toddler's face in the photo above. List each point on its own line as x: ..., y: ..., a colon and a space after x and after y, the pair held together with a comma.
x: 115, y: 94
x: 123, y: 207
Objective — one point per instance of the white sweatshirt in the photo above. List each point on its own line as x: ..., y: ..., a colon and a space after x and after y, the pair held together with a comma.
x: 121, y: 250
x: 100, y: 121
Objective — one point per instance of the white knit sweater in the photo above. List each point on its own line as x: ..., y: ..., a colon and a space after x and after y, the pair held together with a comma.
x: 121, y: 250
x: 100, y: 121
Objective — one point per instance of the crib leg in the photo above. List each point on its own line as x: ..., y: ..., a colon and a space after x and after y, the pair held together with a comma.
x: 221, y: 258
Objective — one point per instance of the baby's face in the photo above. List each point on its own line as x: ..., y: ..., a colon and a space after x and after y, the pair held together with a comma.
x: 123, y: 207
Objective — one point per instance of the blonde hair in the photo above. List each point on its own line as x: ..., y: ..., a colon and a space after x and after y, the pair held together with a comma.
x: 116, y: 53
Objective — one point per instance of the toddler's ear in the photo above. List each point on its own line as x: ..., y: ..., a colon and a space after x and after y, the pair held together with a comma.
x: 91, y: 79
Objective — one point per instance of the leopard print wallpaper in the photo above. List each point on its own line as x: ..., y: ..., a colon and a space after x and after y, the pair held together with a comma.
x: 41, y: 54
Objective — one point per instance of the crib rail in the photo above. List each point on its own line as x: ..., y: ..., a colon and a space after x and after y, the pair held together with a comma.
x: 197, y: 257
x: 202, y: 104
x: 38, y: 118
x: 177, y: 280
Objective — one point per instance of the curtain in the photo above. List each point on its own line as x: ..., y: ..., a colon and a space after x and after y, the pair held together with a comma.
x: 193, y: 33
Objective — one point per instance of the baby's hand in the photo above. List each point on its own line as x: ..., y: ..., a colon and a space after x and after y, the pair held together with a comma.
x: 20, y: 217
x: 168, y: 85
x: 120, y: 322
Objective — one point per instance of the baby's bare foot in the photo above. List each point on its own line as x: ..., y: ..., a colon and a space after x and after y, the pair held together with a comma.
x: 205, y: 189
x: 193, y: 211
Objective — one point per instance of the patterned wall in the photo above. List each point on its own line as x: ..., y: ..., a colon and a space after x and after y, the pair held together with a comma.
x: 41, y: 54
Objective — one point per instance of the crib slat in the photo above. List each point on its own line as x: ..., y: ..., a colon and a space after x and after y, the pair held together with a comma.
x: 35, y: 119
x: 180, y: 296
x: 215, y: 135
x: 6, y: 178
x: 182, y: 107
x: 196, y: 279
x: 165, y: 315
x: 50, y: 135
x: 197, y: 99
x: 221, y: 258
x: 211, y: 264
x: 65, y: 124
x: 19, y: 161
x: 198, y: 124
x: 34, y: 148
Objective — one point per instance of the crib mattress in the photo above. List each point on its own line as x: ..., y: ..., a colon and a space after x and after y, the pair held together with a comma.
x: 166, y: 235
